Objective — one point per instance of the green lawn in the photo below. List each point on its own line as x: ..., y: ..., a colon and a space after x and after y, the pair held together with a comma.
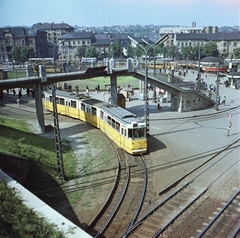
x: 123, y: 81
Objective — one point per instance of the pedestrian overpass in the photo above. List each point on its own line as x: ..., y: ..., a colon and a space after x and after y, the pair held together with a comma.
x: 183, y: 96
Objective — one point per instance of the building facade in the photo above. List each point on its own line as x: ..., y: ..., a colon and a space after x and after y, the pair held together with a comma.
x: 11, y: 37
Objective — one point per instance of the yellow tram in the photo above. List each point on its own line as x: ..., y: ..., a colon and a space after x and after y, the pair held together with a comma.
x: 123, y: 127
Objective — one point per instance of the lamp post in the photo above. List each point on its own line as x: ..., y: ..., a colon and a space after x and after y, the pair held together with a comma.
x: 112, y: 47
x: 54, y: 54
x: 199, y: 71
x: 154, y: 58
x: 216, y: 103
x: 146, y: 108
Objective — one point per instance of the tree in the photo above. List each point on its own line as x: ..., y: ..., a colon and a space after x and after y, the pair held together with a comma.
x: 90, y: 51
x: 22, y: 54
x: 114, y: 50
x: 138, y: 51
x: 16, y: 54
x: 172, y: 51
x: 26, y: 53
x: 210, y: 49
x: 186, y: 52
x: 130, y: 52
x: 237, y: 53
x: 80, y: 51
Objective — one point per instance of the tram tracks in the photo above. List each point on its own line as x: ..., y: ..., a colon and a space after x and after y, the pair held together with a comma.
x: 168, y: 217
x: 125, y: 202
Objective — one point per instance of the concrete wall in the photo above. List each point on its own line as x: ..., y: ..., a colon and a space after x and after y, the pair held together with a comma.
x: 191, y: 102
x: 14, y: 166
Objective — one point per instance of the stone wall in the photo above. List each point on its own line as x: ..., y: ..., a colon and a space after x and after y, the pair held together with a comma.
x: 14, y: 166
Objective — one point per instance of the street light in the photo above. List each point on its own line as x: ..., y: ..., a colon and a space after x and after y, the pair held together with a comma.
x: 199, y: 71
x: 146, y: 109
x: 54, y: 54
x: 112, y: 47
x: 154, y: 58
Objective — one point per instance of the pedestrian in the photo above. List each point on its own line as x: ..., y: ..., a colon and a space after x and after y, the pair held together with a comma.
x: 98, y: 88
x: 18, y: 102
x: 28, y: 92
x: 69, y: 66
x: 36, y: 67
x: 19, y: 93
x: 87, y: 91
x: 224, y: 100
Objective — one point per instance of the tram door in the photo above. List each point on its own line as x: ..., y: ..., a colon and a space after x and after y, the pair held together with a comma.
x: 123, y: 132
x: 89, y: 112
x: 67, y: 105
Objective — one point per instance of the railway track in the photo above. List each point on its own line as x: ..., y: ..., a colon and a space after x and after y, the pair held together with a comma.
x: 181, y: 213
x: 226, y: 220
x: 126, y: 200
x: 186, y: 209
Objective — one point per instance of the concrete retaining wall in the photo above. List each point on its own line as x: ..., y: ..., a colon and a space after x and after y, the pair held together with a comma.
x: 15, y: 166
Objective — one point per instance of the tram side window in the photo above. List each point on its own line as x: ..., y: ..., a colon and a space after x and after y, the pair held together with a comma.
x: 109, y: 120
x: 73, y: 104
x: 50, y: 98
x: 130, y: 133
x: 101, y: 115
x: 94, y: 111
x: 123, y: 131
x: 57, y: 100
x: 118, y: 126
x: 83, y: 107
x: 62, y: 101
x: 113, y: 124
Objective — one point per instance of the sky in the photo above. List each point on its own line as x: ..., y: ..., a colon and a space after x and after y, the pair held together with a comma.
x: 97, y: 13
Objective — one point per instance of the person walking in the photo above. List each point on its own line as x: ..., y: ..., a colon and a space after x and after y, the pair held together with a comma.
x: 87, y: 91
x: 224, y: 100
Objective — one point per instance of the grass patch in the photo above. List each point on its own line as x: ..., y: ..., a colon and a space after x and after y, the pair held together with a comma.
x: 16, y: 74
x: 17, y: 139
x: 17, y: 220
x: 122, y: 81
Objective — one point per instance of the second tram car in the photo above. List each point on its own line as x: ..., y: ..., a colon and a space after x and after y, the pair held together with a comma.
x: 123, y: 127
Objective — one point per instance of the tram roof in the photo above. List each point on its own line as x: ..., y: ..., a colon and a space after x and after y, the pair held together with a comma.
x: 121, y: 114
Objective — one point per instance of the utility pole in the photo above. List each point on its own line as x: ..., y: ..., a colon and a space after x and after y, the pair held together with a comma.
x: 60, y: 166
x: 146, y: 108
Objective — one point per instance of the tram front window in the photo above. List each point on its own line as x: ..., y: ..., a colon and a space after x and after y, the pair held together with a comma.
x: 136, y: 133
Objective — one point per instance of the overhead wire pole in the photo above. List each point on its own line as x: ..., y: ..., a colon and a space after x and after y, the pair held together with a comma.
x: 154, y: 57
x: 146, y: 108
x: 54, y: 54
x: 58, y: 147
x: 199, y: 66
x: 216, y: 103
